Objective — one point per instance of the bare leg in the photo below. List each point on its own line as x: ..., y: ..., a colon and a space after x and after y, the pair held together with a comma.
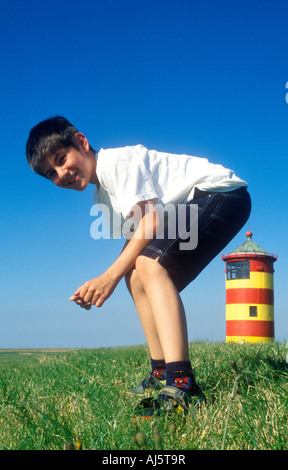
x: 141, y: 301
x: 162, y: 313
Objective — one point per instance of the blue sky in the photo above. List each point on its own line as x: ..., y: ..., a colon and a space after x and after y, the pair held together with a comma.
x: 205, y: 77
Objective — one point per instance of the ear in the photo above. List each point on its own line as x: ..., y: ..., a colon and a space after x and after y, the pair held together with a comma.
x: 82, y: 141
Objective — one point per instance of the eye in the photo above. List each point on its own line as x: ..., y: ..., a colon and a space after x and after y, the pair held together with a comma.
x: 52, y: 175
x: 62, y: 159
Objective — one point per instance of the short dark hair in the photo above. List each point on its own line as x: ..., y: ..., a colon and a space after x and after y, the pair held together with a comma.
x: 46, y: 138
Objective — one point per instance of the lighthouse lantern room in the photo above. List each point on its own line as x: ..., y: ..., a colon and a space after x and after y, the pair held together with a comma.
x: 249, y: 293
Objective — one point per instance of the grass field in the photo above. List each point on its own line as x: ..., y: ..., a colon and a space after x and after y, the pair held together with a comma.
x: 50, y: 398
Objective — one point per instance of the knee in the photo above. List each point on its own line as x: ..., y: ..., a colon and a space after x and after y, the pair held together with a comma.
x: 147, y: 268
x: 144, y: 269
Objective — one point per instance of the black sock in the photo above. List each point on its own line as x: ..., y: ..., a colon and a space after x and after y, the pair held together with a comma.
x: 180, y: 374
x: 158, y: 368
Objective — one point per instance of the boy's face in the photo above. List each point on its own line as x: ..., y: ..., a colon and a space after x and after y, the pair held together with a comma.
x: 71, y: 168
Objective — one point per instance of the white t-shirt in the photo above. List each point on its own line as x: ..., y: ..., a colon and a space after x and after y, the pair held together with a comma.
x: 132, y: 174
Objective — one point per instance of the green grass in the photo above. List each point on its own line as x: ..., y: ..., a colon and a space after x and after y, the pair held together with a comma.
x: 49, y: 399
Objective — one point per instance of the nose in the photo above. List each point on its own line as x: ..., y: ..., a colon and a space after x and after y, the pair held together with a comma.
x: 63, y: 175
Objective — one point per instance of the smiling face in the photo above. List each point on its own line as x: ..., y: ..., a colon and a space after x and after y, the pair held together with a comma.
x: 72, y: 168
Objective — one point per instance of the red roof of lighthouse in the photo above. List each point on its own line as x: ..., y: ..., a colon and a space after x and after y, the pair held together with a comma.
x: 249, y: 247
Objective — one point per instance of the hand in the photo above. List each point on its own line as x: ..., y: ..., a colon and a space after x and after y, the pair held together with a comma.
x: 94, y: 292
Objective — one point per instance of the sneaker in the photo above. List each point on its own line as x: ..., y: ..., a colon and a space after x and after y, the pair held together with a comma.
x: 148, y: 383
x: 170, y: 399
x: 148, y: 408
x: 174, y: 398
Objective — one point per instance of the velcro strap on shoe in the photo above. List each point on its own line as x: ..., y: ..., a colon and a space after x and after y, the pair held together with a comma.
x: 176, y: 394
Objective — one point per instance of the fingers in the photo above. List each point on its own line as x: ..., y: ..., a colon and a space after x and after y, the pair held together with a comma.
x: 88, y: 295
x: 98, y: 302
x: 80, y: 301
x: 75, y: 296
x: 86, y: 300
x: 86, y: 306
x: 84, y: 294
x: 93, y: 292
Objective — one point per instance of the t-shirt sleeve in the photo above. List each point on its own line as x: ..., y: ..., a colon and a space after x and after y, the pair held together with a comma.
x: 129, y: 182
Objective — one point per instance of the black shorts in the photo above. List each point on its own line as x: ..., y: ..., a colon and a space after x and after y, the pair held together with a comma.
x: 220, y: 217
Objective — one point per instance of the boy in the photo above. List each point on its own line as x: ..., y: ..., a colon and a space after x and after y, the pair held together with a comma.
x: 134, y: 183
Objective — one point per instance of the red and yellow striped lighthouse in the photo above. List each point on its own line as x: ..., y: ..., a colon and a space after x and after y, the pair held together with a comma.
x: 249, y: 293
